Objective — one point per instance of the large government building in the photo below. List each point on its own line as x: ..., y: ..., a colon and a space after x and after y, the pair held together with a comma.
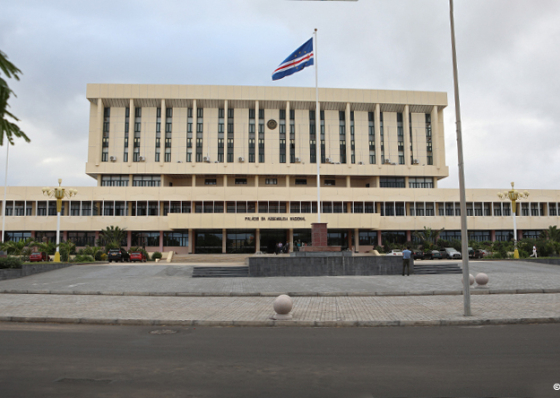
x: 230, y: 169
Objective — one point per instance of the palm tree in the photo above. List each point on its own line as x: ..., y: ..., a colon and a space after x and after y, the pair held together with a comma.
x: 7, y: 128
x: 112, y: 236
x: 428, y: 237
x: 19, y: 248
x: 66, y: 248
x: 552, y: 233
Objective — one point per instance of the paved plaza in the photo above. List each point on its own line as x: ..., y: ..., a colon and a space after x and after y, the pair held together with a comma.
x: 518, y: 292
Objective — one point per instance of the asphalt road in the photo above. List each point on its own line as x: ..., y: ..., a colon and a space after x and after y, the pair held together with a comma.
x: 118, y: 361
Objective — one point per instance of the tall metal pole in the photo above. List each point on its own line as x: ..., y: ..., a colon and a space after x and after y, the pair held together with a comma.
x: 5, y: 188
x: 464, y: 232
x: 317, y: 128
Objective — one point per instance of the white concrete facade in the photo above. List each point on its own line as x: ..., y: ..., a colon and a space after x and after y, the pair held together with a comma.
x: 179, y: 165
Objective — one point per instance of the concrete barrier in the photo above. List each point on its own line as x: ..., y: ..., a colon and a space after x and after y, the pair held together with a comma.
x: 31, y: 269
x: 325, y: 264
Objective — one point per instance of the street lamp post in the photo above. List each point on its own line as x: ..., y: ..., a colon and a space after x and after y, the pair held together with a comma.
x: 59, y: 193
x: 513, y: 195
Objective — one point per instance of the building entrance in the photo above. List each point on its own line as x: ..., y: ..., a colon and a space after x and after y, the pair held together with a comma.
x: 271, y: 237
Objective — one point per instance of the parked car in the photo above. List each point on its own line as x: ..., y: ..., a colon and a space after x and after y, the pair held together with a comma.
x: 432, y: 255
x: 394, y: 253
x: 471, y: 252
x: 38, y: 256
x: 479, y: 253
x: 450, y: 252
x: 118, y: 255
x: 418, y: 254
x: 138, y: 256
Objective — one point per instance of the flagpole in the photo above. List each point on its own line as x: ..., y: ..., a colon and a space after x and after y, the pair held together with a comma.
x: 5, y: 187
x: 317, y: 127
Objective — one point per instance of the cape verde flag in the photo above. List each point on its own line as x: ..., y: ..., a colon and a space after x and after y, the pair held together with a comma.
x: 298, y: 60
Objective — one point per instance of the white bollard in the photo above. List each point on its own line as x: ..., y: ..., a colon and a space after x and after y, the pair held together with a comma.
x: 481, y: 279
x: 282, y: 306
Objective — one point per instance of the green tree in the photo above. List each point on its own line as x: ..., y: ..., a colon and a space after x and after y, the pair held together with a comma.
x: 552, y: 233
x: 428, y: 237
x: 112, y: 236
x: 19, y: 248
x: 8, y: 129
x: 66, y: 248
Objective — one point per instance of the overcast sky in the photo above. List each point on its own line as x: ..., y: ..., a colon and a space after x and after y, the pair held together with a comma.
x: 508, y: 54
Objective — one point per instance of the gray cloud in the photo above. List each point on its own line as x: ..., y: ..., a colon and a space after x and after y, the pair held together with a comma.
x: 506, y: 51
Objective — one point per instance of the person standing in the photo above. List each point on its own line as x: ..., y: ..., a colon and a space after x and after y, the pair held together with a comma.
x: 534, y: 251
x: 406, y: 260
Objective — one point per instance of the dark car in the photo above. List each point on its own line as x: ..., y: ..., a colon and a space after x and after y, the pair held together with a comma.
x: 432, y: 255
x: 418, y: 254
x: 38, y: 256
x: 137, y: 256
x: 118, y: 255
x: 478, y: 253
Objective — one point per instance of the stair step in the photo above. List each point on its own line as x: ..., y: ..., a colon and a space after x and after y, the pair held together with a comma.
x: 220, y: 272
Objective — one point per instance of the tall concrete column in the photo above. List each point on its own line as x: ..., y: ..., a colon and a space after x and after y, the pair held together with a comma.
x: 257, y: 240
x: 347, y: 136
x: 291, y: 240
x: 437, y: 152
x: 224, y: 247
x: 161, y: 241
x: 191, y: 241
x: 493, y: 235
x: 408, y: 236
x: 406, y: 135
x: 348, y: 182
x: 377, y: 128
x: 99, y: 129
x: 379, y: 240
x: 357, y: 240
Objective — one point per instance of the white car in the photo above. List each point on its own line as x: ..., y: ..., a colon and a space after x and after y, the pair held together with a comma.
x: 450, y: 252
x: 394, y: 253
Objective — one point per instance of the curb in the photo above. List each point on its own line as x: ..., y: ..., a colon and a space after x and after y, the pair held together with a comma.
x: 274, y: 323
x: 474, y: 292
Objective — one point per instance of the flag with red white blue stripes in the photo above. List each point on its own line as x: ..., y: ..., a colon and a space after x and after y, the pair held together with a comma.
x: 297, y: 61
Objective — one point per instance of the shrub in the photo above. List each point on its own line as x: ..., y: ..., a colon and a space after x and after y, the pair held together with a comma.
x: 102, y: 257
x: 10, y: 262
x: 84, y: 258
x: 156, y: 255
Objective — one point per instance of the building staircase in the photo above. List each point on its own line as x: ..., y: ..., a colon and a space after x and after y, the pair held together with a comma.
x: 220, y: 272
x: 439, y: 268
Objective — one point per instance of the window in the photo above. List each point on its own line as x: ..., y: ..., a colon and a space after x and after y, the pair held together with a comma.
x: 371, y: 137
x: 252, y: 136
x: 137, y: 134
x: 282, y: 136
x: 210, y: 181
x: 189, y: 134
x: 331, y: 183
x: 146, y: 181
x: 230, y: 136
x: 391, y: 182
x: 292, y: 136
x: 400, y: 137
x: 240, y: 181
x: 261, y: 135
x: 420, y: 182
x: 168, y: 131
x: 301, y: 181
x: 429, y: 147
x: 126, y: 124
x: 199, y: 133
x: 342, y: 135
x: 271, y: 181
x: 180, y: 239
x: 105, y: 144
x: 115, y: 181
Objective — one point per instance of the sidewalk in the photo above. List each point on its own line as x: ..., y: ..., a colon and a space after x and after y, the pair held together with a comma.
x: 167, y: 295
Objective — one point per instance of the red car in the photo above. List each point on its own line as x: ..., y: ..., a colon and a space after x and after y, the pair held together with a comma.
x: 138, y: 256
x: 38, y: 256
